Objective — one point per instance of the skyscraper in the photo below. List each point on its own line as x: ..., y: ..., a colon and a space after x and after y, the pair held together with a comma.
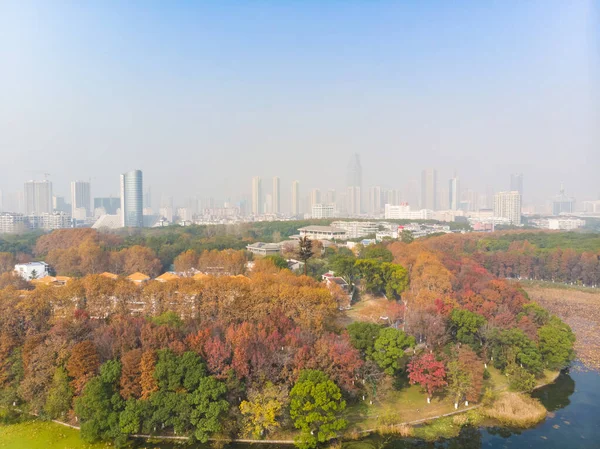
x: 81, y: 199
x: 429, y: 189
x: 516, y: 183
x: 454, y: 194
x: 132, y: 199
x: 257, y: 198
x: 508, y: 205
x: 295, y: 198
x: 276, y: 208
x: 375, y: 200
x: 38, y: 197
x: 354, y: 185
x: 315, y: 197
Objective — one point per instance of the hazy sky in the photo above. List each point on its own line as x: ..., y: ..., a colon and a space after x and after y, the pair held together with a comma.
x: 203, y: 95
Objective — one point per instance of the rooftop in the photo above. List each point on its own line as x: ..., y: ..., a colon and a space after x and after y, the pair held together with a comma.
x: 316, y: 228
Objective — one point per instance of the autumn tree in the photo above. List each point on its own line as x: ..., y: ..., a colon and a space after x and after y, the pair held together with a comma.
x: 263, y: 410
x: 186, y: 261
x: 130, y: 382
x: 148, y: 383
x: 82, y: 364
x: 315, y: 407
x: 428, y: 372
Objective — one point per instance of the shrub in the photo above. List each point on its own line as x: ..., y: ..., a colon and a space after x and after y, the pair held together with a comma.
x: 516, y: 410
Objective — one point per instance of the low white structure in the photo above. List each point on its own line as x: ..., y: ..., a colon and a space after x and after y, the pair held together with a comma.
x: 565, y: 224
x: 264, y: 249
x: 32, y: 270
x: 323, y: 233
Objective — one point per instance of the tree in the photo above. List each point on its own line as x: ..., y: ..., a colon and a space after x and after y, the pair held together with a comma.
x: 388, y: 350
x: 519, y: 379
x: 278, y: 261
x: 406, y: 236
x: 377, y: 252
x: 315, y: 407
x: 513, y: 346
x: 395, y: 278
x: 82, y: 364
x: 100, y: 404
x: 186, y: 261
x: 305, y: 252
x: 428, y: 372
x: 147, y: 381
x: 371, y: 274
x: 130, y: 382
x: 556, y: 343
x: 363, y: 336
x: 60, y: 395
x: 465, y: 325
x: 459, y: 381
x: 263, y: 410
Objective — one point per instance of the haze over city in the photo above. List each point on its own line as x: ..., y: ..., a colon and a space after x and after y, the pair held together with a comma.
x: 202, y: 97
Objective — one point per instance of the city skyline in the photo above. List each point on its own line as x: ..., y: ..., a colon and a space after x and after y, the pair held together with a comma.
x: 233, y: 110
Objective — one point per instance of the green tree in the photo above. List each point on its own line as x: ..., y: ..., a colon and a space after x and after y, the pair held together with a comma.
x: 315, y: 408
x: 513, y: 346
x: 188, y: 400
x: 263, y: 410
x: 60, y: 395
x: 407, y: 236
x: 377, y: 252
x: 135, y: 417
x: 465, y: 326
x: 371, y: 274
x: 395, y: 278
x: 278, y: 261
x: 556, y: 343
x: 99, y: 405
x: 363, y: 336
x: 344, y: 266
x: 519, y: 379
x: 305, y: 252
x: 388, y: 350
x: 459, y: 381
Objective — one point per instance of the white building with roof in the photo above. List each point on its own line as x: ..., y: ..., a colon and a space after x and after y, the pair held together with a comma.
x: 264, y: 249
x: 323, y: 233
x: 32, y: 270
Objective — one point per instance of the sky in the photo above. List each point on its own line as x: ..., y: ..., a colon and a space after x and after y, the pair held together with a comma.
x: 203, y: 95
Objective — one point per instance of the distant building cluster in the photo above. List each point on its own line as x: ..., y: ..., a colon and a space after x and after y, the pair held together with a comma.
x: 428, y: 198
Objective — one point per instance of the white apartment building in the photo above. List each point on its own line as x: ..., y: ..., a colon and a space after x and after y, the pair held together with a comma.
x: 565, y: 224
x: 403, y: 212
x: 357, y: 229
x: 323, y: 233
x: 321, y: 210
x: 11, y: 223
x: 508, y: 205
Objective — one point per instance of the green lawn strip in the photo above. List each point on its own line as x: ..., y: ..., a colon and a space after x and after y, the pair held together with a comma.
x: 43, y: 435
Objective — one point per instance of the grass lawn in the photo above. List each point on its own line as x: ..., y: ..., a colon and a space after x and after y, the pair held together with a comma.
x: 43, y: 435
x: 395, y: 406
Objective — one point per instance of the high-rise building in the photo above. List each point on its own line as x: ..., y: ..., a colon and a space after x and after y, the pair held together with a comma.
x: 315, y: 197
x: 331, y: 196
x: 353, y: 201
x: 562, y: 203
x: 320, y: 211
x: 516, y: 182
x: 354, y: 185
x: 276, y: 197
x: 38, y: 197
x: 257, y: 198
x: 60, y: 205
x: 508, y: 205
x: 453, y: 194
x: 81, y: 200
x: 375, y: 206
x: 110, y: 205
x: 429, y: 189
x: 132, y: 199
x: 295, y: 198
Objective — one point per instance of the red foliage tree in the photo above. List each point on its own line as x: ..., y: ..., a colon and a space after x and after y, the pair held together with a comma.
x: 428, y: 372
x: 83, y: 364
